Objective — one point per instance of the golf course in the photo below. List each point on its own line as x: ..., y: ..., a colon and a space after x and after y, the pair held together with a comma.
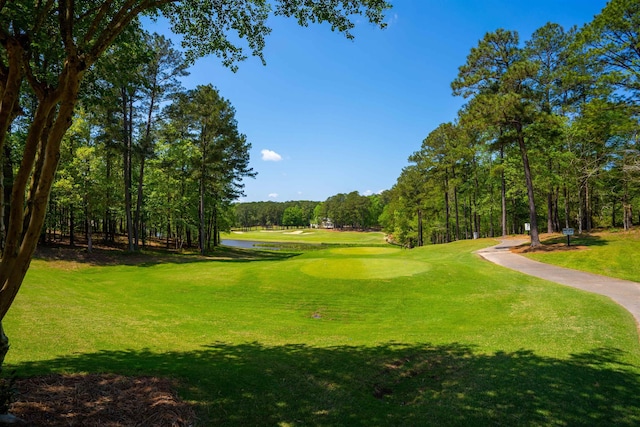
x: 350, y: 332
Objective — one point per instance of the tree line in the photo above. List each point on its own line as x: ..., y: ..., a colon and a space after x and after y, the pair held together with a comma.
x: 344, y: 210
x: 548, y: 137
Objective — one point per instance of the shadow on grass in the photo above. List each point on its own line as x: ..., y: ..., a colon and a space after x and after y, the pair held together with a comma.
x: 583, y: 239
x: 151, y: 257
x: 559, y: 243
x: 388, y: 385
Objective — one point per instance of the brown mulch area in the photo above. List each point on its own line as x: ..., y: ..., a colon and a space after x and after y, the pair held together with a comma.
x: 547, y: 247
x: 100, y: 400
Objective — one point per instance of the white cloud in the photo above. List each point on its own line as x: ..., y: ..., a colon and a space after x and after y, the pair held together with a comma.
x: 270, y: 156
x: 368, y: 193
x: 273, y: 195
x: 392, y: 20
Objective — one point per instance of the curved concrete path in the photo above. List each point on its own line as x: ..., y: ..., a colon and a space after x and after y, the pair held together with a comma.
x: 624, y: 292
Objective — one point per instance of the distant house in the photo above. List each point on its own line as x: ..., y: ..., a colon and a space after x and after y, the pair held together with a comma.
x: 326, y: 223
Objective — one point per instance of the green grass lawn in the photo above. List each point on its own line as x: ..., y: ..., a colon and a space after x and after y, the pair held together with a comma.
x: 606, y: 253
x: 364, y: 336
x: 311, y: 236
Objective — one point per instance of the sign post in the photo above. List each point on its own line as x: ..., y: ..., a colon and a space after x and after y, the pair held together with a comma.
x: 568, y: 232
x: 527, y: 227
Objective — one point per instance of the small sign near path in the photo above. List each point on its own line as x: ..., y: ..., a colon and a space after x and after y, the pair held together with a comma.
x: 568, y: 232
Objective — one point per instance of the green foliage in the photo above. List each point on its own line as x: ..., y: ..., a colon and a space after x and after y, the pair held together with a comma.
x: 613, y: 38
x: 293, y: 216
x: 553, y: 119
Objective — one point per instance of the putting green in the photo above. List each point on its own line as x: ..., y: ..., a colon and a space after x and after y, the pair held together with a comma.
x: 363, y: 268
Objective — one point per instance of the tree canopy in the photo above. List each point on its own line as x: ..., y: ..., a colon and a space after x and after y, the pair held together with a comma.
x: 552, y: 119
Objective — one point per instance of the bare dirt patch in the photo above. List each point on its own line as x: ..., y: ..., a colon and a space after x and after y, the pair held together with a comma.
x: 100, y: 400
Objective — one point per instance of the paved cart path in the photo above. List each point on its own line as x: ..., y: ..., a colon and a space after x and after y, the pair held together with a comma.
x: 624, y: 292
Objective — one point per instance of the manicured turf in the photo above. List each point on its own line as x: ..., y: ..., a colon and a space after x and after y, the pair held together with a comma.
x: 340, y: 336
x: 309, y: 235
x: 610, y: 254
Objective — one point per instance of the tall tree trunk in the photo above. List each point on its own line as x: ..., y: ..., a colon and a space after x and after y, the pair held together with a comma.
x: 533, y: 219
x: 89, y: 231
x: 72, y: 226
x: 580, y: 211
x: 587, y: 206
x: 168, y: 219
x: 556, y: 213
x: 491, y: 202
x: 503, y: 196
x: 201, y: 228
x: 476, y: 195
x: 566, y: 206
x: 137, y: 222
x: 106, y: 225
x: 420, y: 241
x: 455, y: 202
x: 54, y: 107
x: 446, y: 209
x: 127, y: 129
x: 146, y: 146
x: 550, y: 211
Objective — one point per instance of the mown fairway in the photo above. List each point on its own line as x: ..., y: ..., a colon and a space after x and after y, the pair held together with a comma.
x: 341, y: 336
x: 313, y: 236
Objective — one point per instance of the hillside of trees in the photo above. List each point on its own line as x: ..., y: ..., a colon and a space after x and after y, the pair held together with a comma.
x: 549, y: 136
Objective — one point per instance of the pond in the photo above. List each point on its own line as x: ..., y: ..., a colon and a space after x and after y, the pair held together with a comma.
x: 250, y: 244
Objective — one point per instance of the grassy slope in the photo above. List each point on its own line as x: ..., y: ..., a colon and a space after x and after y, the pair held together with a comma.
x: 609, y: 254
x: 359, y: 336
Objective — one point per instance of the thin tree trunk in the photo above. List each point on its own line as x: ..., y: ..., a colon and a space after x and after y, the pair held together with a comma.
x: 72, y: 226
x: 476, y: 195
x: 126, y: 162
x: 550, y: 211
x: 446, y: 210
x: 201, y: 228
x: 137, y: 216
x: 455, y: 202
x: 556, y: 214
x: 420, y: 242
x: 503, y: 196
x: 491, y: 202
x: 168, y: 219
x: 89, y: 232
x: 533, y: 220
x: 566, y: 206
x: 587, y: 205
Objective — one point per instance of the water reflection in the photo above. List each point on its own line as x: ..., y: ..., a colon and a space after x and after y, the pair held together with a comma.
x: 250, y: 244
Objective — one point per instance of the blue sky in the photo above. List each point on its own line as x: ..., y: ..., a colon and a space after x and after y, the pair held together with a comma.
x: 328, y: 115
